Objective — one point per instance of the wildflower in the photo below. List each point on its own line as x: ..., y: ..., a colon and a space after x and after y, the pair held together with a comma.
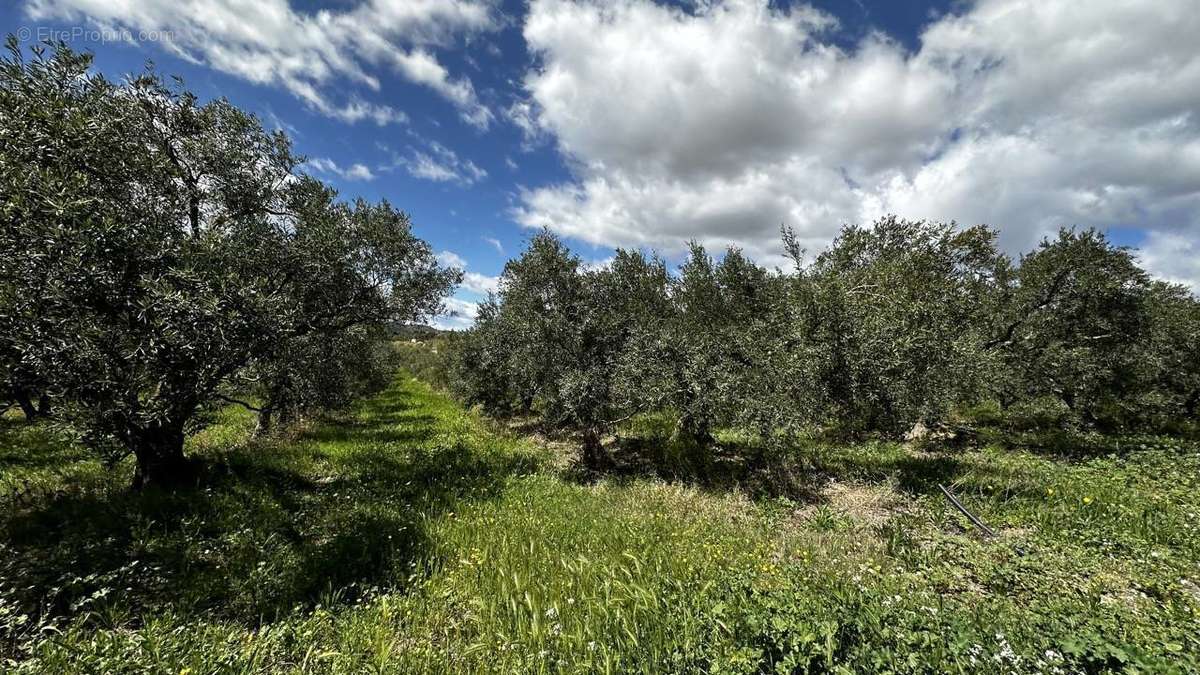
x: 552, y: 613
x: 1087, y: 500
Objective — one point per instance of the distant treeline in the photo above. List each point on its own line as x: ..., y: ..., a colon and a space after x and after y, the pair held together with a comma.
x: 414, y: 331
x: 893, y: 325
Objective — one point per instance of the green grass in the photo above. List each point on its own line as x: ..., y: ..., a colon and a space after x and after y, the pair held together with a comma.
x: 411, y: 536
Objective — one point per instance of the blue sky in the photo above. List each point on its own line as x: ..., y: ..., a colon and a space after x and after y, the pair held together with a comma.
x: 643, y: 124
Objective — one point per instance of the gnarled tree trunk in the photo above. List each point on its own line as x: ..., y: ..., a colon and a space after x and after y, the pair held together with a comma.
x: 265, y: 421
x: 692, y: 440
x: 1192, y: 406
x: 692, y: 431
x: 594, y: 456
x: 26, y: 403
x: 160, y: 460
x: 287, y: 415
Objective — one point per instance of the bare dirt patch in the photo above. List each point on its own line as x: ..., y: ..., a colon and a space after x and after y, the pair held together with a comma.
x: 870, y: 505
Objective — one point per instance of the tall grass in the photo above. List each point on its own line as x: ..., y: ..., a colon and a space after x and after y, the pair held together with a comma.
x: 410, y: 537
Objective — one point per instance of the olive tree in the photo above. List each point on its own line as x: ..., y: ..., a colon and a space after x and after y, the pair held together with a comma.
x: 320, y: 371
x: 482, y: 367
x: 710, y: 339
x: 605, y: 382
x: 894, y: 324
x: 541, y: 307
x: 528, y: 341
x: 160, y: 247
x: 556, y: 339
x: 1069, y: 322
x: 351, y: 269
x: 894, y: 316
x: 1167, y: 359
x: 20, y: 384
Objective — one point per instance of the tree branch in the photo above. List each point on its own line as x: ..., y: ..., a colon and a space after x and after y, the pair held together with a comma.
x: 245, y: 405
x: 1050, y: 296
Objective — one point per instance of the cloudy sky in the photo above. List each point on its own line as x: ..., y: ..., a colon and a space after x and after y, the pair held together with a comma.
x: 639, y: 123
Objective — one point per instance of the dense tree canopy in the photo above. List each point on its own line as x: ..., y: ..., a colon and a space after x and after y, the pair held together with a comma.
x: 894, y: 316
x: 155, y: 250
x: 1071, y: 320
x: 896, y: 324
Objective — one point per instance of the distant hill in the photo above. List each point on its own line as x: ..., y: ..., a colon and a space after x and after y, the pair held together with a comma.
x: 415, y: 331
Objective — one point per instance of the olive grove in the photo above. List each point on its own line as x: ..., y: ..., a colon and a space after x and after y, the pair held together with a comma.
x: 895, y: 324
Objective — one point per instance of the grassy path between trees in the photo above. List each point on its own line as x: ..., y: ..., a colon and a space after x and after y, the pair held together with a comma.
x: 411, y: 537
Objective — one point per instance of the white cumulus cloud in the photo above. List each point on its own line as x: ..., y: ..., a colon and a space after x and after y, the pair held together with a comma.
x: 473, y: 282
x: 458, y: 314
x: 327, y: 166
x: 308, y: 53
x: 723, y: 120
x: 480, y: 284
x: 451, y: 259
x: 1174, y: 257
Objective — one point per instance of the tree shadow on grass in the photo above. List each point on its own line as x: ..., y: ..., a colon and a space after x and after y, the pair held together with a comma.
x: 393, y: 416
x: 336, y: 513
x: 801, y: 471
x: 375, y: 431
x: 721, y: 467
